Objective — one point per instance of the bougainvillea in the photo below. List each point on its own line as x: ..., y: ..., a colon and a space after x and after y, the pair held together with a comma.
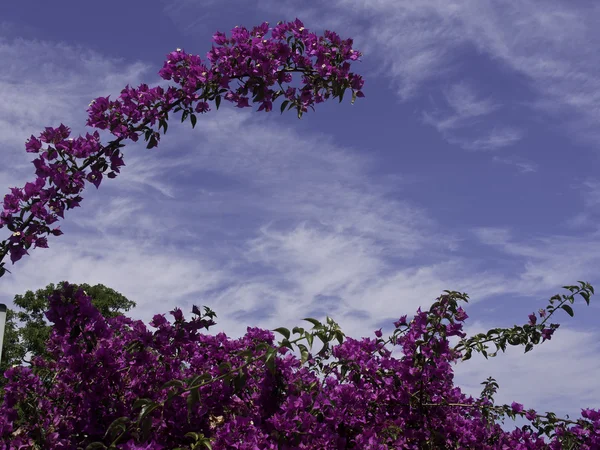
x: 113, y: 382
x: 256, y: 61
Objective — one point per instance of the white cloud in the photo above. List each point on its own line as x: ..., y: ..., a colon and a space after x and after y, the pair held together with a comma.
x: 420, y: 43
x: 556, y: 376
x: 56, y: 89
x: 157, y: 278
x: 255, y: 220
x: 467, y: 115
x: 547, y: 261
x: 589, y: 191
x: 467, y: 108
x: 497, y: 137
x: 591, y: 196
x: 521, y: 164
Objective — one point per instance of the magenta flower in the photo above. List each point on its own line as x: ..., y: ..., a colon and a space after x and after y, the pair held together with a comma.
x: 516, y: 407
x: 33, y: 145
x: 532, y: 319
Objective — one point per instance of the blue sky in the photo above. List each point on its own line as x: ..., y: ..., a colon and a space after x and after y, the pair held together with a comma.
x: 471, y: 165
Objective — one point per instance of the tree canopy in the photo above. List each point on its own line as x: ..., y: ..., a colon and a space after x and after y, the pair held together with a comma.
x: 27, y: 328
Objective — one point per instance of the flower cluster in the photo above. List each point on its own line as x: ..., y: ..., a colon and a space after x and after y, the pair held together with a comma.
x: 262, y: 65
x: 112, y: 383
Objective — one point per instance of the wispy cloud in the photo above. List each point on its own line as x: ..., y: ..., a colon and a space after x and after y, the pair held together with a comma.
x: 543, y: 379
x: 523, y: 165
x: 420, y: 44
x: 589, y: 193
x: 266, y: 224
x: 56, y: 89
x: 547, y: 260
x: 466, y: 108
x: 496, y: 138
x: 465, y: 115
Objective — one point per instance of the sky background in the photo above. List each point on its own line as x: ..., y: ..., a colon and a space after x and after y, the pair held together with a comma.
x: 471, y: 165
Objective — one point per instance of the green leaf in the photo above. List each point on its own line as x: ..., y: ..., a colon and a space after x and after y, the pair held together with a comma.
x: 283, y: 331
x: 140, y: 402
x: 96, y: 445
x: 270, y: 360
x: 286, y: 343
x: 309, y: 338
x: 192, y: 381
x: 224, y: 367
x: 192, y: 435
x: 146, y: 410
x: 116, y: 427
x: 239, y: 382
x: 170, y: 397
x: 298, y: 330
x: 304, y: 353
x: 198, y: 439
x: 586, y: 296
x: 144, y: 420
x: 168, y: 384
x: 568, y: 309
x: 262, y: 346
x: 245, y: 354
x: 218, y: 101
x: 283, y: 105
x: 344, y: 370
x: 315, y: 322
x: 193, y: 119
x: 467, y: 355
x: 146, y: 428
x: 493, y: 331
x: 152, y: 143
x: 192, y: 399
x: 259, y: 97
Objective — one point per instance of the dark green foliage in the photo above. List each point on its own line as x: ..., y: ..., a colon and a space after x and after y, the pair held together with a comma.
x: 27, y: 328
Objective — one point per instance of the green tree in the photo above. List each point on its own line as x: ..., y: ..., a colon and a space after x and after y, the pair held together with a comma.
x: 23, y: 342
